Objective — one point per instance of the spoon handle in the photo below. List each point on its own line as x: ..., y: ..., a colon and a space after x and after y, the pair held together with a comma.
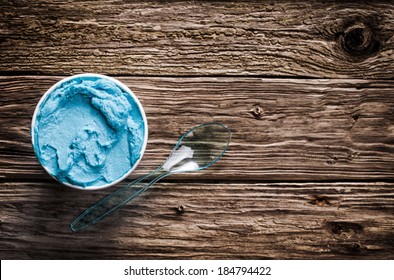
x: 115, y: 200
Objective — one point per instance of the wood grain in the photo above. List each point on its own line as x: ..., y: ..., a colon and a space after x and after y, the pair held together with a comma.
x: 198, y: 38
x: 283, y: 129
x: 306, y: 88
x: 218, y: 221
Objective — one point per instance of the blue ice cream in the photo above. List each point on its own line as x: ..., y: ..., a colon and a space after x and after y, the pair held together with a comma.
x: 89, y: 132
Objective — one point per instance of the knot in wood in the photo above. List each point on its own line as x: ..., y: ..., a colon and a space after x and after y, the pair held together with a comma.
x: 358, y: 40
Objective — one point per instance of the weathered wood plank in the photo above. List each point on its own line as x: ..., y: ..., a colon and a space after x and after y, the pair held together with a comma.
x: 218, y: 221
x: 314, y: 39
x: 283, y: 129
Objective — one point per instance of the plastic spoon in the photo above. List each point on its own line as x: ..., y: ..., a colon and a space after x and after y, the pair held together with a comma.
x: 197, y: 149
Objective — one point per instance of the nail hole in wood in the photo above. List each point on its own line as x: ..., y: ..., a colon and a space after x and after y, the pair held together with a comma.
x: 257, y: 112
x: 332, y: 160
x: 320, y: 200
x: 344, y: 227
x: 356, y: 246
x: 180, y: 209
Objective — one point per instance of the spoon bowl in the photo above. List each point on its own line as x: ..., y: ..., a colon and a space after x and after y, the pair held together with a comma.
x: 198, y: 148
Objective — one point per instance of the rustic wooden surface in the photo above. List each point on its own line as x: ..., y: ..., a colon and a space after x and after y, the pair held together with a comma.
x: 196, y: 38
x: 306, y: 88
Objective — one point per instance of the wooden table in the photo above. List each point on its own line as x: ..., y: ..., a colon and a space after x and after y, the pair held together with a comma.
x: 306, y: 88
